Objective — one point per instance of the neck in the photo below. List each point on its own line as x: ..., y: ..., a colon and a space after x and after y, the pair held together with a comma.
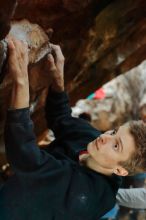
x: 90, y: 163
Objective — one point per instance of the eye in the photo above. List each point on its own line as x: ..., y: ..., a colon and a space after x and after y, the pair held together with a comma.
x: 114, y: 132
x: 116, y: 147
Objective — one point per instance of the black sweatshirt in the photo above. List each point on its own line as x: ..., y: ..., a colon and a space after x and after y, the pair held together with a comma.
x: 50, y: 184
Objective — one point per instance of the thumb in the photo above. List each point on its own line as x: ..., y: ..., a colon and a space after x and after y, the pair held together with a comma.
x: 11, y: 46
x: 51, y: 62
x: 50, y: 59
x: 9, y: 40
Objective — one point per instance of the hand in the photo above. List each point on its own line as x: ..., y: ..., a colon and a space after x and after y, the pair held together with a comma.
x: 18, y: 69
x: 18, y: 61
x: 56, y: 68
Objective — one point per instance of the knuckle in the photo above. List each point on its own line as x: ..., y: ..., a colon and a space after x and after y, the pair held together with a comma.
x: 22, y: 43
x: 61, y: 59
x: 12, y: 48
x: 25, y: 46
x: 57, y: 47
x: 17, y: 41
x: 22, y: 53
x: 51, y: 62
x: 50, y: 58
x: 52, y: 69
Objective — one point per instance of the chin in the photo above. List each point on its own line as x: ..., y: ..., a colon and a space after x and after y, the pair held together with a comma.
x: 90, y: 148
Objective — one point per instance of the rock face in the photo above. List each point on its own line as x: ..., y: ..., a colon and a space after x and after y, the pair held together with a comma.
x: 34, y: 35
x: 100, y: 40
x: 124, y: 99
x: 7, y: 10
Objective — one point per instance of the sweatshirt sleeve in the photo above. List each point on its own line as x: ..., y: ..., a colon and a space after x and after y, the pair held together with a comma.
x: 60, y: 120
x: 22, y: 151
x: 57, y: 107
x: 132, y: 198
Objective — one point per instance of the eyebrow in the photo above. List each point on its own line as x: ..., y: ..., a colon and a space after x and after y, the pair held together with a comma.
x: 121, y: 144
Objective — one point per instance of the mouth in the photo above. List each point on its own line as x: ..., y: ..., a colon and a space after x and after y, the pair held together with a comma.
x: 96, y: 143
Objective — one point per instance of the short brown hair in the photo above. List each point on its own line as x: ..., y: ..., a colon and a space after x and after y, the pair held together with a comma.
x: 137, y: 163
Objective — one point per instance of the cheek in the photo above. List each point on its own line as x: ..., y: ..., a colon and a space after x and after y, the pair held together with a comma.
x: 106, y: 161
x: 111, y: 158
x: 107, y: 157
x: 91, y: 148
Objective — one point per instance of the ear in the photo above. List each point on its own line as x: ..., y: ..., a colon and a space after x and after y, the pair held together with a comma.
x: 120, y: 171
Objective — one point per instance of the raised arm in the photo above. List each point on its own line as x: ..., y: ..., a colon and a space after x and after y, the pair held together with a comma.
x: 21, y: 148
x: 18, y: 64
x: 58, y: 111
x: 56, y: 68
x: 57, y: 103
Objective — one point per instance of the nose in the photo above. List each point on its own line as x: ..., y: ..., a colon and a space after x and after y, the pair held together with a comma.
x: 104, y: 138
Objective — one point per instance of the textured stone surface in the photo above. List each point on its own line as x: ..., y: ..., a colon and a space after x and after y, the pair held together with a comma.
x: 125, y: 99
x: 7, y: 10
x: 35, y: 37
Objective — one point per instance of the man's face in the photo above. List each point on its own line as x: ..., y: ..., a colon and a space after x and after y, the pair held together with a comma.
x: 111, y: 148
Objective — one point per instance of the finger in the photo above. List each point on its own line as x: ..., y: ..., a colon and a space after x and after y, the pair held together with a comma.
x: 58, y: 52
x: 19, y: 44
x: 21, y: 47
x: 11, y: 51
x: 51, y: 62
x: 9, y: 37
x: 11, y: 45
x: 16, y: 41
x: 25, y: 45
x: 24, y: 48
x: 57, y: 49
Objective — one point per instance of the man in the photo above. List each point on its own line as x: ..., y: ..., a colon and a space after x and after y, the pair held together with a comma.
x: 74, y: 178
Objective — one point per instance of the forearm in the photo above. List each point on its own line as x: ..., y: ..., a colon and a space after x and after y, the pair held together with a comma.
x: 57, y: 107
x: 58, y: 86
x: 18, y: 70
x: 132, y: 198
x: 20, y: 96
x: 22, y: 151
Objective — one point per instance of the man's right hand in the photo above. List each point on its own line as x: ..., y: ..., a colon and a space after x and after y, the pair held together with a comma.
x: 56, y: 68
x: 18, y: 64
x: 18, y: 61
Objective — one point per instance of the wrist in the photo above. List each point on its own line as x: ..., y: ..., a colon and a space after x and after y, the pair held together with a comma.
x: 20, y: 96
x: 21, y: 83
x: 57, y: 87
